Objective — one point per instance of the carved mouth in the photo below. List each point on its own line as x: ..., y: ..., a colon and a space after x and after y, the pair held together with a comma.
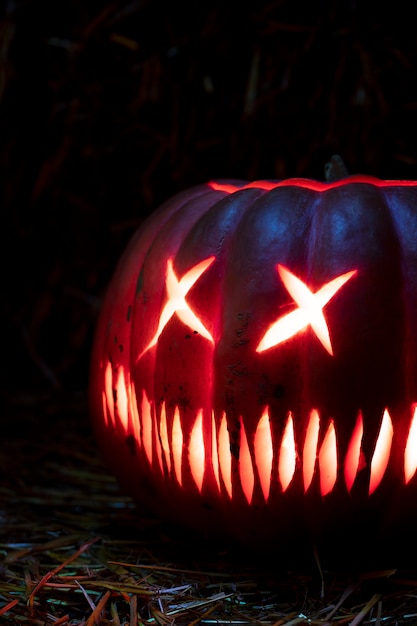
x: 166, y: 448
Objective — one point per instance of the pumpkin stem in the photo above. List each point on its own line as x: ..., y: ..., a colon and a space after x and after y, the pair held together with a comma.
x: 335, y: 169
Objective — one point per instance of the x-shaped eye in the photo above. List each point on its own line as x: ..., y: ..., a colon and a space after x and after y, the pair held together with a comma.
x: 309, y: 311
x: 176, y: 303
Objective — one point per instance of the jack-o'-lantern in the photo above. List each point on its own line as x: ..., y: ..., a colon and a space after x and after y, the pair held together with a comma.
x: 254, y: 367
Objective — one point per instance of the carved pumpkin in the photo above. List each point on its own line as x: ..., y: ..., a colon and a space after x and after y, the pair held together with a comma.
x: 254, y: 367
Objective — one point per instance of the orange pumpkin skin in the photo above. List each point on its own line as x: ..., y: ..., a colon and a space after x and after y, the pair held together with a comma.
x: 227, y: 428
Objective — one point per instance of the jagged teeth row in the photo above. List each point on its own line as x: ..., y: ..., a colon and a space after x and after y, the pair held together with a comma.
x: 164, y: 445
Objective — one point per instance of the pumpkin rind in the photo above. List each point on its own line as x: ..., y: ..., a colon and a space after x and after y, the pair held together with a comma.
x: 242, y: 418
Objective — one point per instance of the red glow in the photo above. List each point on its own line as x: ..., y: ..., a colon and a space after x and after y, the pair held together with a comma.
x: 146, y: 422
x: 176, y: 303
x: 225, y: 458
x: 122, y: 400
x: 247, y: 478
x: 328, y: 461
x: 264, y: 452
x: 108, y: 391
x: 159, y: 453
x: 382, y: 451
x: 177, y: 442
x: 214, y: 452
x: 135, y: 420
x: 104, y: 407
x: 410, y: 456
x: 310, y: 311
x: 287, y: 455
x: 313, y: 185
x: 163, y: 433
x: 196, y: 451
x: 353, y: 455
x: 310, y: 448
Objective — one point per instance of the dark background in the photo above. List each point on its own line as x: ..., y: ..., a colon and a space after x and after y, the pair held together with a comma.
x: 109, y: 107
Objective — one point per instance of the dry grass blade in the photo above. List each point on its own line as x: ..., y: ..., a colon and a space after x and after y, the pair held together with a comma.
x: 95, y: 616
x: 55, y: 571
x: 363, y: 612
x: 8, y: 607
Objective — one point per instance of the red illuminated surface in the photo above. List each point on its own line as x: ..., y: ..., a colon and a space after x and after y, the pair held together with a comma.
x: 314, y: 185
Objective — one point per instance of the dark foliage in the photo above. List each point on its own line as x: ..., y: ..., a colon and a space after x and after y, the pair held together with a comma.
x: 108, y: 108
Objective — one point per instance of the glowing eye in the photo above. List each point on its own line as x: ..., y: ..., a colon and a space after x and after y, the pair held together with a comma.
x: 176, y: 303
x: 309, y: 312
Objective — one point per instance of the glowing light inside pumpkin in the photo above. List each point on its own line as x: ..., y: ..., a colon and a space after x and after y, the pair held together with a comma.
x: 287, y: 455
x: 354, y: 454
x: 264, y: 452
x: 163, y: 433
x: 309, y: 312
x: 328, y: 460
x: 310, y: 448
x: 196, y: 451
x: 215, y: 452
x: 225, y: 457
x: 176, y: 303
x: 108, y: 400
x: 135, y: 419
x: 410, y: 457
x: 177, y: 442
x: 245, y: 465
x: 382, y: 451
x: 122, y: 397
x: 146, y: 423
